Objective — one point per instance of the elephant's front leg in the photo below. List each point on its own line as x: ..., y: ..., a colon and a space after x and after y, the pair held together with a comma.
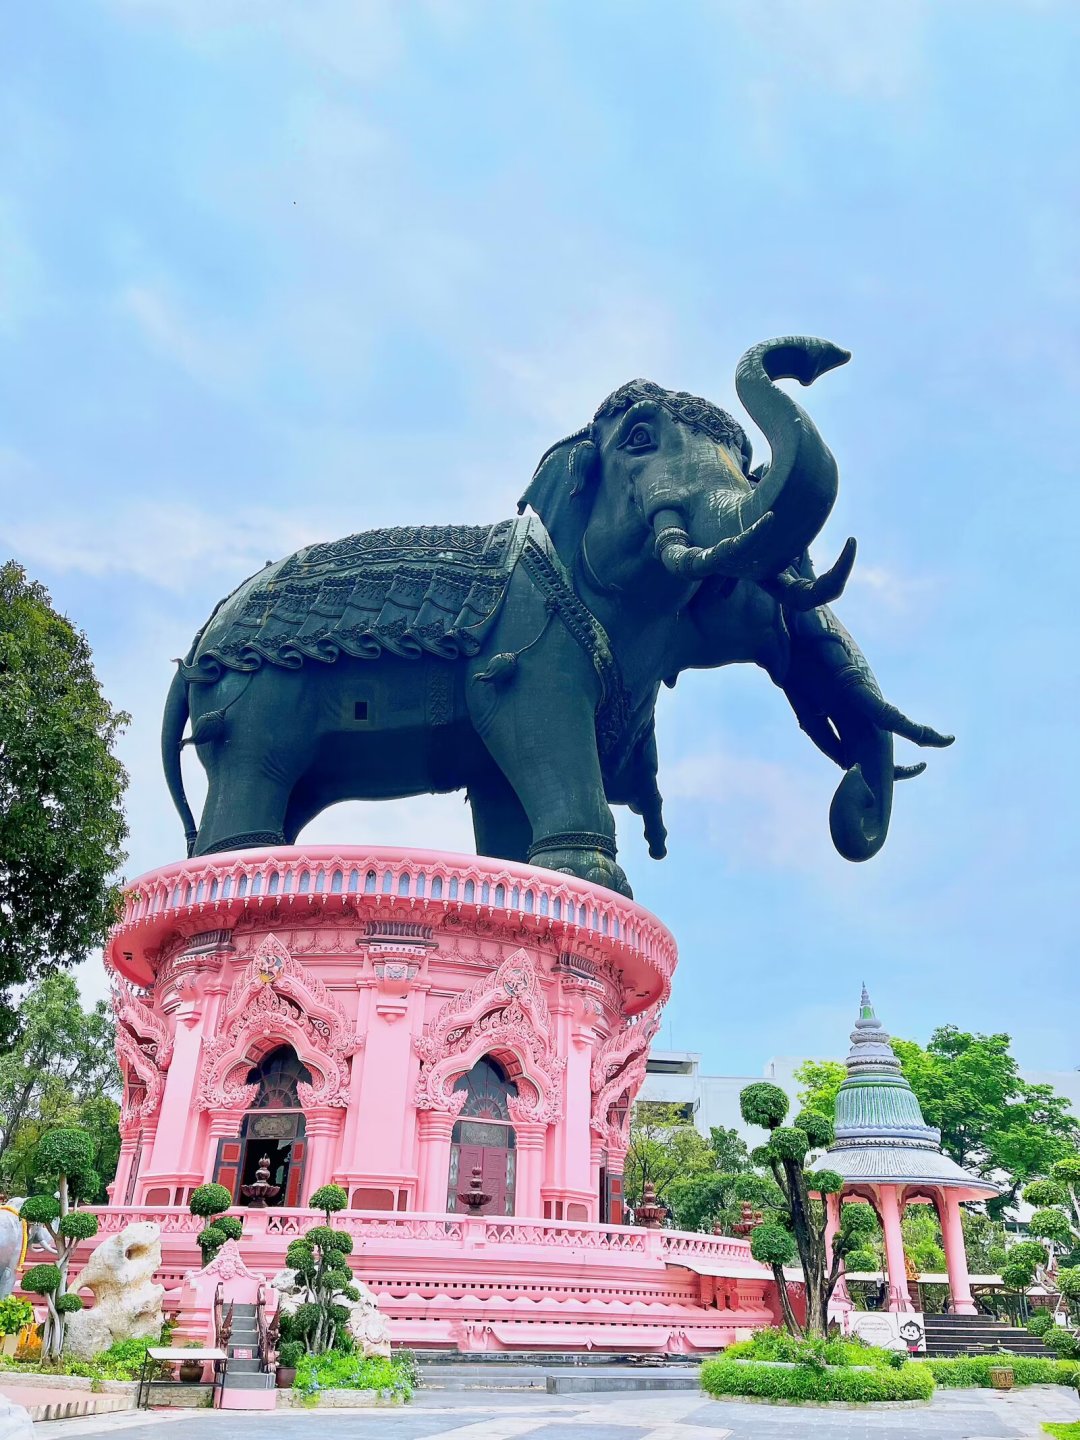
x: 537, y: 717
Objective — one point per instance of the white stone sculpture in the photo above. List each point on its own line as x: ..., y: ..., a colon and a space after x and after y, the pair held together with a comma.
x: 366, y: 1325
x: 127, y: 1303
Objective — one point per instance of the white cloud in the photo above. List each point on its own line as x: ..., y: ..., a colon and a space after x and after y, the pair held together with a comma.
x: 161, y: 543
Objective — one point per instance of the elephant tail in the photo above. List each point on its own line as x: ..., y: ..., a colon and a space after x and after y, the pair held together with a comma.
x: 172, y: 732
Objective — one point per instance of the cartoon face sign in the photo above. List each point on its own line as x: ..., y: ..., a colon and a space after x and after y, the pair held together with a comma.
x: 911, y: 1333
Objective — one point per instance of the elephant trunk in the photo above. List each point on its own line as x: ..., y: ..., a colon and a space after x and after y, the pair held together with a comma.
x: 862, y: 806
x: 799, y: 486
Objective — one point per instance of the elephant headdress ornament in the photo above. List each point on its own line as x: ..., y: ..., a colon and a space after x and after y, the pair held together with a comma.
x: 522, y: 661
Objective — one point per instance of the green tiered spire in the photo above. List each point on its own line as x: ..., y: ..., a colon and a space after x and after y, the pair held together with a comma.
x: 880, y: 1131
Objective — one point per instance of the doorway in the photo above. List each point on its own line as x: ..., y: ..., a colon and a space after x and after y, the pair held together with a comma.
x: 483, y: 1143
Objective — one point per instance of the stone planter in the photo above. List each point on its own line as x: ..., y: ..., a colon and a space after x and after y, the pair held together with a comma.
x: 286, y: 1374
x: 1001, y: 1377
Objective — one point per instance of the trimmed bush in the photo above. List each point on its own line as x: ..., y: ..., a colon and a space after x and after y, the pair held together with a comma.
x: 1040, y: 1322
x: 64, y: 1152
x: 787, y: 1142
x: 68, y: 1304
x: 328, y: 1199
x: 818, y: 1128
x: 722, y: 1377
x: 772, y: 1245
x: 40, y: 1210
x: 78, y: 1225
x: 209, y: 1200
x: 1064, y: 1343
x: 973, y: 1371
x: 41, y: 1279
x: 763, y: 1104
x: 231, y: 1226
x: 825, y: 1182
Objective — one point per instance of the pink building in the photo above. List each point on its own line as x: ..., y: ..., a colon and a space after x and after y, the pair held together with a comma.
x: 413, y: 1026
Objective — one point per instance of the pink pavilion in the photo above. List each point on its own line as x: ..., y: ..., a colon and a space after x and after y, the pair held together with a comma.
x: 890, y: 1158
x: 457, y: 1041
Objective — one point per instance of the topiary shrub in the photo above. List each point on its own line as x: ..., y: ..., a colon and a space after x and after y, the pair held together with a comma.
x: 210, y: 1203
x: 763, y: 1104
x: 207, y: 1200
x: 1064, y: 1343
x: 787, y: 1142
x: 817, y: 1128
x: 329, y: 1199
x: 62, y: 1157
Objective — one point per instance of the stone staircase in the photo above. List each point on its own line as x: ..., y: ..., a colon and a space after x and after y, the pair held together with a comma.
x: 979, y: 1335
x: 245, y: 1385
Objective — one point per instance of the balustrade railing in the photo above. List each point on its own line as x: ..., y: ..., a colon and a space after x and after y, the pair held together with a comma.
x: 306, y: 877
x: 674, y: 1246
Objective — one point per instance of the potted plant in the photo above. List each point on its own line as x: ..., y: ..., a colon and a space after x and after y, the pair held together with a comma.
x: 15, y: 1315
x: 288, y: 1358
x: 191, y: 1371
x: 1001, y: 1375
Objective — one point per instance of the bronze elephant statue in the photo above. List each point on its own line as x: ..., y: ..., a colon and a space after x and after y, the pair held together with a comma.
x: 521, y: 661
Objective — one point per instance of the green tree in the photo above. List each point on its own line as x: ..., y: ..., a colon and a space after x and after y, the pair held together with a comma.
x: 61, y: 824
x: 320, y: 1259
x: 798, y: 1232
x: 665, y: 1151
x: 991, y: 1120
x: 60, y: 1071
x: 64, y: 1161
x: 822, y: 1079
x: 1057, y: 1207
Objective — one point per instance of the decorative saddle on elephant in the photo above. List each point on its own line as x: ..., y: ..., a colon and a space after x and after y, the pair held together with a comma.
x: 409, y: 591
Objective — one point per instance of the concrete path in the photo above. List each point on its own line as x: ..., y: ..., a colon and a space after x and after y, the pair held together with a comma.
x: 481, y: 1415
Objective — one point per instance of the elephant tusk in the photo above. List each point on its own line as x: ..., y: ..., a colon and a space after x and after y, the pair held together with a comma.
x: 908, y: 772
x: 797, y: 593
x: 732, y: 556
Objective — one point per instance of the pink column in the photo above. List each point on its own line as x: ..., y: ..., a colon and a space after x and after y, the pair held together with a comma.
x: 177, y: 1113
x: 322, y: 1126
x: 952, y: 1231
x: 531, y: 1136
x: 436, y: 1128
x: 899, y: 1299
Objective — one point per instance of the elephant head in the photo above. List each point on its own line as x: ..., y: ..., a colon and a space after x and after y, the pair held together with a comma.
x: 660, y: 485
x: 676, y: 469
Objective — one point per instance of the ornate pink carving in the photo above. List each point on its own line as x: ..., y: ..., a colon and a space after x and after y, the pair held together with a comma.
x: 275, y: 998
x: 229, y: 1264
x: 144, y: 1048
x: 505, y: 1015
x: 618, y: 1068
x: 144, y: 1083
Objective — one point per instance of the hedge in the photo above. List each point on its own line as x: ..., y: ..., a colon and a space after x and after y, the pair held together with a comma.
x: 722, y: 1377
x: 973, y: 1371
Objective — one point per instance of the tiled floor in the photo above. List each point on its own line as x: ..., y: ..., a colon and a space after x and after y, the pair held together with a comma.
x: 485, y: 1415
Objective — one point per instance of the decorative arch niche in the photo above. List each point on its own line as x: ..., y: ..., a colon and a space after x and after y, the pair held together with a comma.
x: 275, y: 1001
x: 506, y: 1017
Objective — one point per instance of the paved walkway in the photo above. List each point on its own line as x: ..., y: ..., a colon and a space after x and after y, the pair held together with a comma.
x: 484, y: 1415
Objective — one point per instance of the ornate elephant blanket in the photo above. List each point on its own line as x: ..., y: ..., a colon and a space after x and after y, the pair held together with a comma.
x: 410, y: 591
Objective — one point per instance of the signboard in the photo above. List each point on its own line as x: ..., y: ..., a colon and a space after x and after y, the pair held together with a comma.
x: 890, y: 1330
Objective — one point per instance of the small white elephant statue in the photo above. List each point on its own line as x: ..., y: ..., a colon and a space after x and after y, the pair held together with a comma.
x: 127, y: 1303
x: 366, y: 1325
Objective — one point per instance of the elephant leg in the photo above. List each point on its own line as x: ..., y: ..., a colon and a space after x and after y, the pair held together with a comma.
x: 248, y: 794
x: 500, y: 825
x: 541, y: 731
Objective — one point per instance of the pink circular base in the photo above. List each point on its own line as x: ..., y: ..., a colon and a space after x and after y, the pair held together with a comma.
x: 391, y: 973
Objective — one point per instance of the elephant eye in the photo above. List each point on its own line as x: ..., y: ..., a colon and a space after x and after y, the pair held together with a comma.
x: 640, y: 438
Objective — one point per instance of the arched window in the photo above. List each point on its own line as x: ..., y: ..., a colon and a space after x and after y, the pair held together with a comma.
x: 277, y: 1075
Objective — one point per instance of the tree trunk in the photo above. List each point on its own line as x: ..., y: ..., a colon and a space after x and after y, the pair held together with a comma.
x: 790, y: 1322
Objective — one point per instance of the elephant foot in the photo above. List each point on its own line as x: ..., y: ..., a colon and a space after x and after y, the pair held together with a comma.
x: 589, y: 857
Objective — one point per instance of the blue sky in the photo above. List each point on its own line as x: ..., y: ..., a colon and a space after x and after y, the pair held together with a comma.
x: 274, y: 272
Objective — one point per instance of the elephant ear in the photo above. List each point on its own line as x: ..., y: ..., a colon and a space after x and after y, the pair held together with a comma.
x: 562, y: 492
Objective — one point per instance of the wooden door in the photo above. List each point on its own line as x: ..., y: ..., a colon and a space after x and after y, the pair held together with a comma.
x: 494, y: 1164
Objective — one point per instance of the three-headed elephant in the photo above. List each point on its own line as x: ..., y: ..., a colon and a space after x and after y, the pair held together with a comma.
x: 522, y: 660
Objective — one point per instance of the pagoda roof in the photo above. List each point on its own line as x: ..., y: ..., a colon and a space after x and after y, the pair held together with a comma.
x: 881, y: 1136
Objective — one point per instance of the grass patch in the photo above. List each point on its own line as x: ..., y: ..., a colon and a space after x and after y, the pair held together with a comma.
x: 395, y: 1377
x: 1063, y: 1432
